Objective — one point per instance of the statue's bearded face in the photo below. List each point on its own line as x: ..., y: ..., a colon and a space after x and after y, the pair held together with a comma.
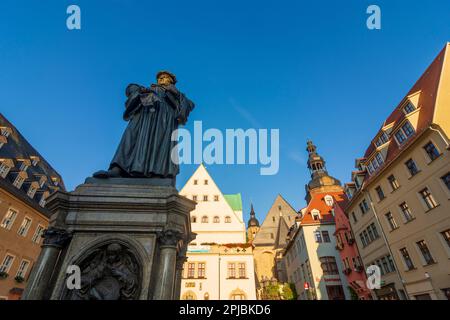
x: 165, y: 80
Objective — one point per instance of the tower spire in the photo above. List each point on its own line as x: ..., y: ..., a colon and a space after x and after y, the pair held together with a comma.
x: 316, y: 164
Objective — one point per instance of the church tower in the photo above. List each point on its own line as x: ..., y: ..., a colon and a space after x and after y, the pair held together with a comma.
x: 320, y: 181
x: 252, y: 226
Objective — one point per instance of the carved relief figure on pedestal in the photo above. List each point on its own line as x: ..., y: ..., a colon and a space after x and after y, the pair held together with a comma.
x: 109, y: 273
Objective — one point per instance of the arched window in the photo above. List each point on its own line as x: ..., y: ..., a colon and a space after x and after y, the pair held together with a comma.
x: 227, y: 219
x: 204, y: 219
x: 216, y: 219
x: 194, y: 219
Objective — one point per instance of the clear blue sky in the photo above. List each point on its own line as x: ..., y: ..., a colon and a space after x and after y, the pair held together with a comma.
x: 310, y: 68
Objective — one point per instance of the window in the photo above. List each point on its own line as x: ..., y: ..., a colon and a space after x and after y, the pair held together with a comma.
x: 354, y: 217
x: 382, y: 139
x: 411, y: 166
x: 201, y: 269
x: 227, y: 219
x: 374, y: 229
x: 191, y: 270
x: 231, y: 270
x: 380, y: 193
x: 315, y: 214
x: 329, y: 265
x: 384, y: 262
x: 391, y: 263
x: 31, y: 191
x: 195, y: 182
x: 328, y: 200
x: 23, y: 267
x: 206, y: 182
x: 407, y: 215
x: 363, y: 240
x: 42, y: 202
x: 4, y: 170
x: 428, y: 199
x: 318, y: 236
x: 204, y: 219
x: 205, y: 198
x: 273, y: 219
x: 379, y: 159
x: 391, y: 221
x: 426, y: 254
x: 400, y: 136
x: 7, y: 262
x: 431, y: 151
x: 23, y: 230
x: 446, y: 235
x: 408, y: 129
x: 18, y: 181
x: 393, y: 182
x: 194, y: 219
x: 370, y: 234
x: 9, y: 218
x: 364, y: 206
x: 194, y: 198
x: 216, y: 198
x: 38, y: 234
x: 325, y: 236
x: 407, y: 259
x: 242, y: 272
x: 409, y: 108
x: 366, y: 237
x: 446, y: 180
x: 216, y: 219
x: 271, y: 236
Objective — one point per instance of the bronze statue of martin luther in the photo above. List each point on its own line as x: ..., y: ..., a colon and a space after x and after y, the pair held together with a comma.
x: 153, y: 114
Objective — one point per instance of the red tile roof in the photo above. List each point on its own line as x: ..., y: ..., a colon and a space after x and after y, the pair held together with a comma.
x: 317, y: 202
x: 428, y: 85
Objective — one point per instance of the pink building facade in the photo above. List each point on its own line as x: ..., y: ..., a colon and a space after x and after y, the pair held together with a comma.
x: 351, y: 261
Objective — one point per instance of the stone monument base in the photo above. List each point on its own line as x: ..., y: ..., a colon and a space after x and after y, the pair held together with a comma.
x: 126, y: 238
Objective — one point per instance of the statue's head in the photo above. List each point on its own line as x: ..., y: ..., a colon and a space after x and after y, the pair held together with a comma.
x: 113, y: 252
x: 166, y: 78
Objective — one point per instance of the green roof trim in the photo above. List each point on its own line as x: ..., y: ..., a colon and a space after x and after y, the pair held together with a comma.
x: 234, y: 200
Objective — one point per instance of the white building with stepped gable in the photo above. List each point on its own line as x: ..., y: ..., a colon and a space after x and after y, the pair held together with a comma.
x: 220, y: 261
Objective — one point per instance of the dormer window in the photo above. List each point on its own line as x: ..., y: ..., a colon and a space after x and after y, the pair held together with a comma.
x: 409, y: 108
x: 23, y: 166
x: 404, y: 133
x: 315, y: 214
x: 4, y: 169
x: 329, y: 200
x: 18, y: 181
x: 55, y: 181
x: 32, y: 191
x: 382, y: 139
x: 34, y: 161
x: 3, y: 141
x: 43, y: 200
x: 6, y: 131
x: 42, y: 181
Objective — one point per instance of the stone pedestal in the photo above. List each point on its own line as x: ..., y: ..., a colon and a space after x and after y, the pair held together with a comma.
x: 126, y: 236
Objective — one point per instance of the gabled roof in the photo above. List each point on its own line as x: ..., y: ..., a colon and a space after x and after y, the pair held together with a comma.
x: 274, y: 222
x: 318, y: 203
x: 427, y: 87
x: 14, y: 152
